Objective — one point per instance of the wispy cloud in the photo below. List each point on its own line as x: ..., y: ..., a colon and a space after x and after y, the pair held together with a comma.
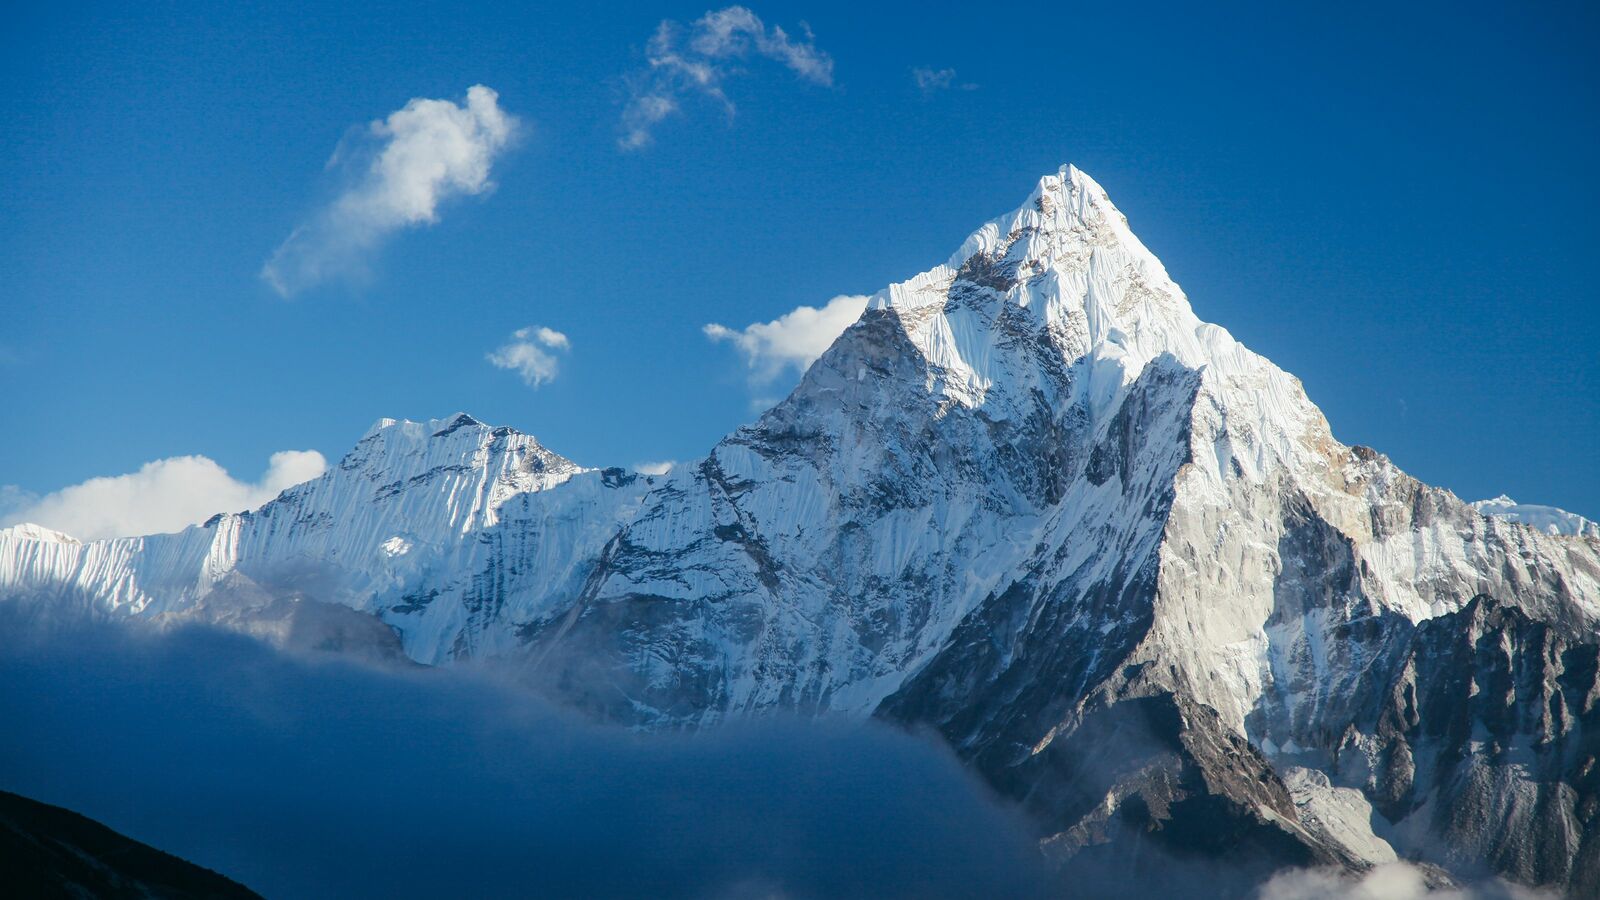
x: 793, y: 340
x: 420, y: 156
x: 1388, y: 881
x: 694, y: 61
x: 165, y: 495
x: 531, y: 353
x: 654, y: 468
x: 930, y: 80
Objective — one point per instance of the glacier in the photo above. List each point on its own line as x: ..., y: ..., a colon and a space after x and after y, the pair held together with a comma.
x: 1029, y: 501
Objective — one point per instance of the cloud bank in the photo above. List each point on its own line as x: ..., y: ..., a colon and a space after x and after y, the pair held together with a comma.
x: 531, y: 353
x: 164, y: 495
x: 421, y: 156
x: 794, y: 340
x: 695, y: 61
x: 305, y: 777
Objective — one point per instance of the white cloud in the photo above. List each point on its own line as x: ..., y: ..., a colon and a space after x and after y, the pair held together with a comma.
x: 531, y: 354
x: 681, y: 65
x: 1389, y: 881
x: 165, y: 495
x: 421, y: 155
x: 552, y: 338
x: 733, y: 32
x: 654, y: 468
x: 794, y: 339
x: 929, y: 80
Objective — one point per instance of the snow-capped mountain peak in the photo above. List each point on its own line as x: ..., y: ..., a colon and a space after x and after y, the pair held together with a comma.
x: 1063, y: 281
x: 397, y: 456
x: 28, y: 531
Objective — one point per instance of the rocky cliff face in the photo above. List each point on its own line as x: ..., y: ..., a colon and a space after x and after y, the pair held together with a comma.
x: 1031, y: 501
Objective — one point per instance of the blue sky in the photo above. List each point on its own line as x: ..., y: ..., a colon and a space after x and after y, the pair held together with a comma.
x: 1397, y: 205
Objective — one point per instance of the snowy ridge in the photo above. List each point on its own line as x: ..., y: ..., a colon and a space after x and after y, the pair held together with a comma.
x: 1548, y: 519
x: 412, y: 505
x: 1029, y: 500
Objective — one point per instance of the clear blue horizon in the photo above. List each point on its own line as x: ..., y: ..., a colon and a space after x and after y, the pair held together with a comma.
x: 1395, y: 205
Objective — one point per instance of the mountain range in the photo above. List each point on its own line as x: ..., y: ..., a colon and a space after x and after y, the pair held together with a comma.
x: 1028, y: 502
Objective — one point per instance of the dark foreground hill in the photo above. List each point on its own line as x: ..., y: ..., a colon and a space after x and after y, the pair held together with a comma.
x: 48, y: 852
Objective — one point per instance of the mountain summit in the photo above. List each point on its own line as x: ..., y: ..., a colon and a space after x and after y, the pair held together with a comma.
x: 1030, y: 501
